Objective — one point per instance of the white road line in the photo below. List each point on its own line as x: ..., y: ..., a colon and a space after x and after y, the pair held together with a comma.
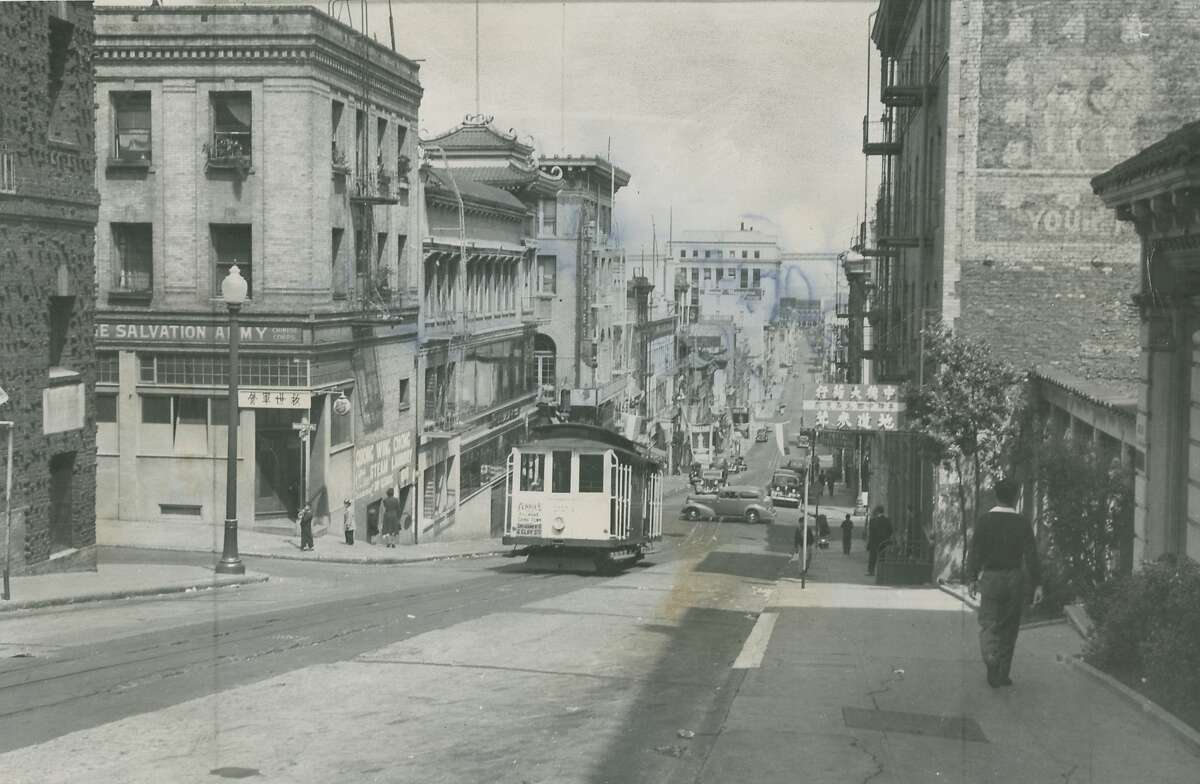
x: 756, y: 644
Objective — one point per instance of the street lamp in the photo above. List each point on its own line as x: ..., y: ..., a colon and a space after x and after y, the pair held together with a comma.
x: 233, y: 291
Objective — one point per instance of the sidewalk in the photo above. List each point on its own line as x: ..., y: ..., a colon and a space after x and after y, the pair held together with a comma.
x: 862, y: 682
x: 116, y: 581
x: 330, y: 548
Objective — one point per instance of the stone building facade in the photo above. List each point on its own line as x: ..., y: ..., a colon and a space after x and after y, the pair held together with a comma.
x: 1155, y: 191
x: 996, y: 116
x: 282, y: 141
x: 48, y: 205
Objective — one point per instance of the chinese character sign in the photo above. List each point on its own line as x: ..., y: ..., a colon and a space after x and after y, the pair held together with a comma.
x: 274, y: 398
x: 856, y: 407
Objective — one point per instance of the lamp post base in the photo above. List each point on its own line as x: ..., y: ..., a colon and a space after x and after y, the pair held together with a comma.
x: 230, y: 563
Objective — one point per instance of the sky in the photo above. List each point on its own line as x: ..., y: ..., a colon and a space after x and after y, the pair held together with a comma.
x: 715, y: 109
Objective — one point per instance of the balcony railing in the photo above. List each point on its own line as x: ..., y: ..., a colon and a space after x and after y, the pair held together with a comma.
x: 880, y: 138
x: 227, y: 153
x: 906, y: 81
x: 377, y: 187
x: 131, y: 285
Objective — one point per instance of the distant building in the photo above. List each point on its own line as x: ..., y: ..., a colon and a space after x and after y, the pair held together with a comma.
x: 281, y: 141
x: 735, y: 276
x: 47, y: 231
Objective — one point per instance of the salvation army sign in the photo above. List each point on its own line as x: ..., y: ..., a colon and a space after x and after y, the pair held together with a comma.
x: 856, y: 407
x: 194, y: 333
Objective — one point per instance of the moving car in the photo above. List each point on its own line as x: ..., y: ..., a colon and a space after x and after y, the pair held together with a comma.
x: 762, y: 436
x: 786, y: 488
x: 710, y: 481
x: 735, y: 502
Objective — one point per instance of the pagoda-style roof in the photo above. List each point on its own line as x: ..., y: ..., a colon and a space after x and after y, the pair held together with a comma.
x: 438, y: 184
x: 476, y: 135
x: 593, y: 164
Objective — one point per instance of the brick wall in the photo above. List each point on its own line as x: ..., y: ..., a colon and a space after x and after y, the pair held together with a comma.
x: 46, y: 242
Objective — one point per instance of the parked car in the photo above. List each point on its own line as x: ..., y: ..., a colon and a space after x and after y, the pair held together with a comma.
x: 735, y: 502
x: 762, y: 435
x: 786, y: 488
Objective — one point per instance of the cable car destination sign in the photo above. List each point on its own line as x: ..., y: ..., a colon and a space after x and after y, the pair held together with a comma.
x: 856, y: 407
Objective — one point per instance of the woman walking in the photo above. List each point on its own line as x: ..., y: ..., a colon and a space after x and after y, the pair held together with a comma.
x: 391, y: 518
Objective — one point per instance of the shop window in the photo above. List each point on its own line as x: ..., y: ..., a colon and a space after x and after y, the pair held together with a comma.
x: 560, y: 466
x: 231, y: 124
x: 131, y: 126
x: 133, y: 265
x: 341, y: 428
x: 591, y: 473
x: 231, y: 245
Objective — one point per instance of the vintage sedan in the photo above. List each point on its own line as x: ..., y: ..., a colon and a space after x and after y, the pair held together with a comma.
x: 733, y: 502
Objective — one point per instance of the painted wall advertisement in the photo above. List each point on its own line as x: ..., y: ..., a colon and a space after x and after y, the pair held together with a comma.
x: 527, y: 518
x: 383, y: 464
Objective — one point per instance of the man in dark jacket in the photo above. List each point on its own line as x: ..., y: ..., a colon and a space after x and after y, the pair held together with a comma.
x: 1003, y: 540
x: 879, y: 532
x: 306, y: 537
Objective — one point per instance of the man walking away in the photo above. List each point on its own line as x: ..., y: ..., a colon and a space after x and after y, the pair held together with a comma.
x: 306, y: 539
x: 1002, y: 540
x: 847, y: 534
x: 391, y: 518
x: 877, y: 537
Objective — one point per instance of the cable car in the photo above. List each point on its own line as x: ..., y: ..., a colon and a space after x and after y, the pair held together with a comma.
x: 582, y: 498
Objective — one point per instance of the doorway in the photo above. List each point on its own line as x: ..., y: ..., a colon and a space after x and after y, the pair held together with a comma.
x: 62, y: 472
x: 277, y: 463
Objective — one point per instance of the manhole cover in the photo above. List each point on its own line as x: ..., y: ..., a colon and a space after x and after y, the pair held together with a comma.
x: 931, y: 724
x: 235, y: 773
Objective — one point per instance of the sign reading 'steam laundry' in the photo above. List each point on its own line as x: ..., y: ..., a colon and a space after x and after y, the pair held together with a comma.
x: 195, y: 333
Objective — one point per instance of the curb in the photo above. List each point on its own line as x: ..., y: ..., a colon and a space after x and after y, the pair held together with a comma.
x: 320, y: 559
x: 961, y: 595
x: 1078, y: 619
x: 1148, y: 706
x: 101, y: 596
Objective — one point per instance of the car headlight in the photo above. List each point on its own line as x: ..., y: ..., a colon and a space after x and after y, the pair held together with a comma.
x: 559, y: 525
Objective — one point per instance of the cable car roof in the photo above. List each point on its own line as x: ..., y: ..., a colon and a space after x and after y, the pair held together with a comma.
x: 576, y: 436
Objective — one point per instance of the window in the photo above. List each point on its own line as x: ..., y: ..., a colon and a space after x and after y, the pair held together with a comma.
x: 708, y: 254
x: 695, y: 276
x: 133, y: 268
x: 533, y: 473
x: 549, y: 216
x: 191, y: 410
x: 757, y: 282
x: 360, y: 142
x: 382, y: 273
x: 732, y: 272
x: 156, y: 410
x: 720, y: 274
x: 683, y: 254
x: 60, y: 36
x: 220, y: 411
x: 231, y: 124
x: 336, y: 274
x: 708, y: 274
x: 548, y: 273
x: 380, y: 135
x: 756, y: 254
x: 131, y: 126
x: 405, y: 401
x: 341, y: 428
x: 337, y: 110
x: 108, y: 368
x: 401, y: 267
x: 106, y: 409
x: 60, y: 324
x: 591, y: 473
x: 401, y: 137
x: 560, y: 480
x: 231, y: 245
x: 146, y: 368
x: 695, y: 254
x: 745, y: 278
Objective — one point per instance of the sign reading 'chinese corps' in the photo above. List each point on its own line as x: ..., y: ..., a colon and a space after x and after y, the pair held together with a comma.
x: 856, y: 407
x: 274, y: 398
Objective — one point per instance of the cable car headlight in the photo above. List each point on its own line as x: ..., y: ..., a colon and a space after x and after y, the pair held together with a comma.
x: 559, y: 525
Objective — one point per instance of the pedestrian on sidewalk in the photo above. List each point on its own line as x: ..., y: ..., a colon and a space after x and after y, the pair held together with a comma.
x: 878, y: 536
x: 829, y: 479
x: 348, y: 522
x: 800, y: 534
x: 847, y: 534
x: 391, y: 518
x: 306, y: 537
x: 1003, y: 539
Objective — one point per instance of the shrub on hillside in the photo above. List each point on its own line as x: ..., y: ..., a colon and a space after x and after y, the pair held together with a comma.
x: 1147, y: 632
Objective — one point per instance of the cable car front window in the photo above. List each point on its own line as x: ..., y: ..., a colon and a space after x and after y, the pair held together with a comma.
x: 560, y: 479
x: 591, y: 473
x: 533, y: 473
